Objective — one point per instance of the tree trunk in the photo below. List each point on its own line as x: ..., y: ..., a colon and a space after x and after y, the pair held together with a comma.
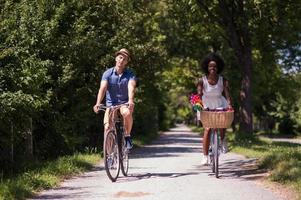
x: 231, y: 16
x: 29, y: 143
x: 246, y: 121
x: 12, y: 144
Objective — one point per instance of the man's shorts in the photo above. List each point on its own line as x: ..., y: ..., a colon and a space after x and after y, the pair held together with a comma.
x: 106, y: 117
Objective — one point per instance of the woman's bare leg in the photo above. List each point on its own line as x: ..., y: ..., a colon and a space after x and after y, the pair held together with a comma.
x: 206, y: 141
x: 222, y: 133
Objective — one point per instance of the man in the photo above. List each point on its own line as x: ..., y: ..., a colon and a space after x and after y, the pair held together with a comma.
x: 119, y: 83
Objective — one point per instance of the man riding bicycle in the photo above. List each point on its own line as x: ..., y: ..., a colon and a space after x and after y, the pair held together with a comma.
x: 118, y: 84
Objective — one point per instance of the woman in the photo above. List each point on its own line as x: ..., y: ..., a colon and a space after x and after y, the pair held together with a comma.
x: 214, y: 92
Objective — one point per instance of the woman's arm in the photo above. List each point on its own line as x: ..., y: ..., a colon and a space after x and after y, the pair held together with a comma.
x: 226, y: 92
x: 200, y: 88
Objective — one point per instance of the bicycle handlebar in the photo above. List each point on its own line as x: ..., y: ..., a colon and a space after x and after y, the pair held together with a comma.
x: 218, y: 110
x: 103, y: 107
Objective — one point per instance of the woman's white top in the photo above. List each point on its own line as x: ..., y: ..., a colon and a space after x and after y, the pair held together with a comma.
x: 212, y: 94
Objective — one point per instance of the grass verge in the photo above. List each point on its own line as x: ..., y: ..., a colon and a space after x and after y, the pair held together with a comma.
x: 46, y: 175
x: 144, y: 139
x: 282, y: 159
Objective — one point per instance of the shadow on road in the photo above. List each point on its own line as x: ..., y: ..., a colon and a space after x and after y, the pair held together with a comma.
x: 175, y: 142
x: 137, y: 177
x: 171, y: 143
x: 175, y: 148
x: 245, y: 169
x: 64, y: 196
x: 77, y: 192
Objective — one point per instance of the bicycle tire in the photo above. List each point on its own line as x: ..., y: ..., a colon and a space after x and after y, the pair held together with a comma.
x: 111, y: 155
x: 124, y: 158
x: 216, y: 153
x: 211, y: 147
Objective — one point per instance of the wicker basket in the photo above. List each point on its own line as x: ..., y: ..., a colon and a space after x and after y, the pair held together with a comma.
x: 220, y: 119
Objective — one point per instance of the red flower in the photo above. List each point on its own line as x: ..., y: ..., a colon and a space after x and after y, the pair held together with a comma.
x: 196, y: 102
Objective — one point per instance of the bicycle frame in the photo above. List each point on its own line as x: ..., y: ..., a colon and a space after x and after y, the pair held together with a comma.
x: 115, y: 155
x: 113, y: 115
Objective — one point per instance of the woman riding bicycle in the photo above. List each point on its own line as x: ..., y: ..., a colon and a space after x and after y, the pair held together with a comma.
x: 214, y: 92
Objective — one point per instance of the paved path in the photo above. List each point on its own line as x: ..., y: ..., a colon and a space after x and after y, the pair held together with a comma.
x: 169, y: 169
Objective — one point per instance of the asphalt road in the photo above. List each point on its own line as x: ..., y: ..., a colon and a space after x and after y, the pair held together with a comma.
x: 168, y: 169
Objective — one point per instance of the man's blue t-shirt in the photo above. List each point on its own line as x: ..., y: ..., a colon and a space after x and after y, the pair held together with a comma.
x: 117, y: 90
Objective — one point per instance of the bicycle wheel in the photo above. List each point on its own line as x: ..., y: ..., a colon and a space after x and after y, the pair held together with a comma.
x: 124, y: 158
x: 111, y: 156
x: 215, y: 149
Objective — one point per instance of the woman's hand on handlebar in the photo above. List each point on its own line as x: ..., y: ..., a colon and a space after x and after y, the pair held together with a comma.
x: 230, y: 107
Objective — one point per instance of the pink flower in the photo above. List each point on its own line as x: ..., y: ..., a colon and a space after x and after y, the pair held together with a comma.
x: 196, y: 102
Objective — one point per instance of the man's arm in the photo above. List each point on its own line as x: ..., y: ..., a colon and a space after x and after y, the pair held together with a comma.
x: 101, y: 94
x: 131, y: 91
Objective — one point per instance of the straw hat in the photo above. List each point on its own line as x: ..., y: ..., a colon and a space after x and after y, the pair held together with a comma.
x: 124, y: 52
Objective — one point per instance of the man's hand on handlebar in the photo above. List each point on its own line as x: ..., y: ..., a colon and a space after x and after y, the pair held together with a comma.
x: 131, y: 106
x: 96, y: 108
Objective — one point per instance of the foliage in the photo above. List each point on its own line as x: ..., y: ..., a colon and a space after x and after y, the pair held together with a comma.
x: 275, y: 53
x: 178, y: 90
x: 52, y: 56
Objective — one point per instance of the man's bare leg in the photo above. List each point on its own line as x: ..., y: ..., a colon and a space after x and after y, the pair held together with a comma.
x: 128, y: 120
x: 128, y: 123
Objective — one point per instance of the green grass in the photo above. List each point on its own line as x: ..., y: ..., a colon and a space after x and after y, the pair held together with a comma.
x: 45, y: 175
x: 282, y: 159
x: 197, y: 129
x: 141, y: 140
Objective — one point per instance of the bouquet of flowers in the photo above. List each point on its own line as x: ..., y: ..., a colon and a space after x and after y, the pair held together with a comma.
x: 196, y: 102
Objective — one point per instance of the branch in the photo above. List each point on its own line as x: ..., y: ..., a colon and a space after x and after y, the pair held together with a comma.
x: 214, y: 18
x: 202, y: 5
x: 229, y: 24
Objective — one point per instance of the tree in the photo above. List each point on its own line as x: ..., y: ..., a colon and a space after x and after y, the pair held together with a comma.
x: 52, y: 55
x: 232, y: 16
x: 250, y: 37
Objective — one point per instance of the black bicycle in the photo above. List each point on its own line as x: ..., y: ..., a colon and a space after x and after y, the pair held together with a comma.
x: 115, y: 154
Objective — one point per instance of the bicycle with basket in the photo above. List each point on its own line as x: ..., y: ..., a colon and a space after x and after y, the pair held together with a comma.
x: 215, y: 120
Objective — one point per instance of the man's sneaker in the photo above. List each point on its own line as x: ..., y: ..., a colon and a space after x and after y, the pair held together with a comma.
x: 205, y: 160
x: 224, y: 146
x: 110, y: 162
x: 128, y: 143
